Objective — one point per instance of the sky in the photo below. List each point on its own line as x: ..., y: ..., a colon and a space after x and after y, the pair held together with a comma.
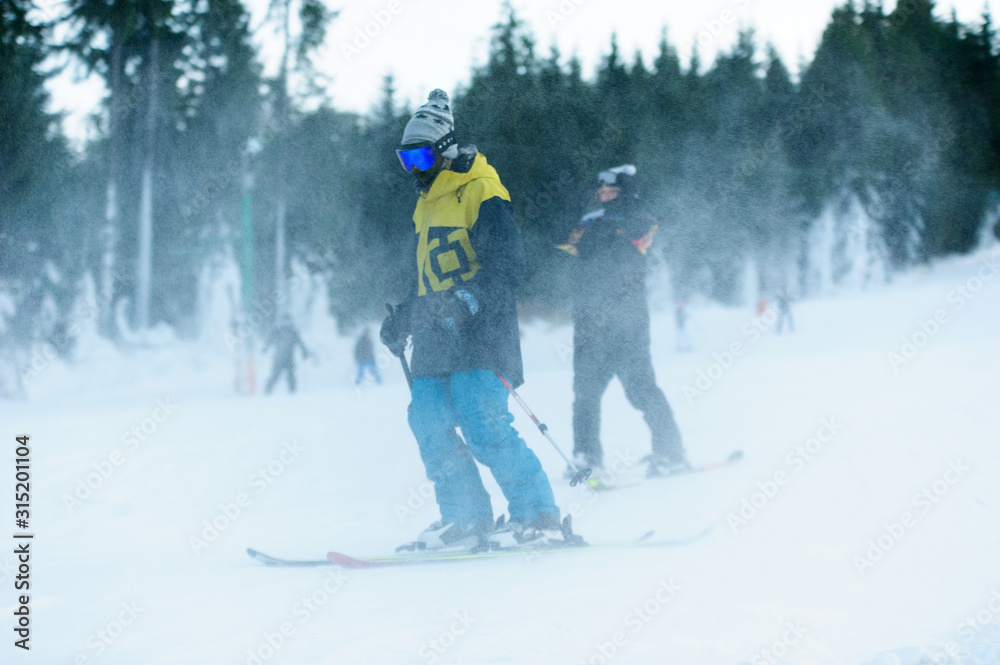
x: 434, y: 43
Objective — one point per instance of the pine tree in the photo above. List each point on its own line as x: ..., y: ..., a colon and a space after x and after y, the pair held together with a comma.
x: 155, y: 27
x: 102, y: 36
x: 210, y: 161
x: 296, y: 53
x: 36, y: 242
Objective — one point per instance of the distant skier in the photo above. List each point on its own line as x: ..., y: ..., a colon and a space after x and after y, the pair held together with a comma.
x: 784, y: 302
x: 364, y: 356
x: 285, y: 339
x: 462, y: 315
x: 683, y: 338
x: 611, y: 323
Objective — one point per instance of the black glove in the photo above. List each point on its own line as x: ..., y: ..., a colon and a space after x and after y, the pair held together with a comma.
x: 456, y: 309
x: 395, y: 330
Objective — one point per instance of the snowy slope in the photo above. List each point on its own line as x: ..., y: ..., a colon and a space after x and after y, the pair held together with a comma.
x: 130, y: 574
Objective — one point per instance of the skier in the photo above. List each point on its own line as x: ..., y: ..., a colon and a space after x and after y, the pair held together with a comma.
x: 285, y: 340
x: 784, y: 312
x: 364, y: 356
x: 462, y: 316
x: 611, y: 323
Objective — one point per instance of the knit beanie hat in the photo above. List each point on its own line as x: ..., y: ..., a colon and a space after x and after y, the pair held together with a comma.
x: 432, y: 123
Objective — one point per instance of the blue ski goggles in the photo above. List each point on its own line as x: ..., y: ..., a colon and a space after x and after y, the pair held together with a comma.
x: 421, y: 158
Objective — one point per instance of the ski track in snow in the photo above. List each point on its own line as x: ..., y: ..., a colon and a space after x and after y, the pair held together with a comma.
x: 116, y: 580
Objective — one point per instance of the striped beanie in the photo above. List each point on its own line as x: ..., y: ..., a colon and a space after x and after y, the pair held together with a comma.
x: 432, y: 122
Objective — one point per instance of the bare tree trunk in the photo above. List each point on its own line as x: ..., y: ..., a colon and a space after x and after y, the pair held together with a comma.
x: 109, y: 235
x: 145, y: 259
x: 282, y: 182
x: 279, y: 247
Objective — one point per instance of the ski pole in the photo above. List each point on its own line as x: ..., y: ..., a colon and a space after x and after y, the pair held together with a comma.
x: 579, y: 475
x: 402, y: 356
x: 406, y: 370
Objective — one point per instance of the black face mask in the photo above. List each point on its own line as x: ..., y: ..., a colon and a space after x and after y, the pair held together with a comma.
x: 426, y: 178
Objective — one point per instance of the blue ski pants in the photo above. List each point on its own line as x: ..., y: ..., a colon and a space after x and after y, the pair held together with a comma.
x: 476, y: 401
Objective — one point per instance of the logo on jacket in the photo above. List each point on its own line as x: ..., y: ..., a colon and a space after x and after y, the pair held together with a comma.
x: 446, y: 257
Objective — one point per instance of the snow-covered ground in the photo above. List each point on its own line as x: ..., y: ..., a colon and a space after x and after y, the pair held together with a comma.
x: 862, y: 527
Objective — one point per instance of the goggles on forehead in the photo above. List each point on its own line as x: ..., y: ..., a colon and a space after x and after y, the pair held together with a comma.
x: 610, y: 177
x: 423, y: 157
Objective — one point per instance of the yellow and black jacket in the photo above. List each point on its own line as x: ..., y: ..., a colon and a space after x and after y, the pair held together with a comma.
x: 466, y: 238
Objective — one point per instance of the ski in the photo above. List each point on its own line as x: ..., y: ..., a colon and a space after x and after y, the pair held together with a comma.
x: 268, y: 560
x: 438, y: 557
x: 599, y: 485
x: 346, y: 561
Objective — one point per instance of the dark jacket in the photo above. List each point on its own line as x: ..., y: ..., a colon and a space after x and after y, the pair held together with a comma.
x: 285, y: 339
x: 466, y: 238
x: 609, y: 278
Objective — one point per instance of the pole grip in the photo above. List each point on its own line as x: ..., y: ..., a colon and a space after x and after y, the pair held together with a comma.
x: 402, y: 357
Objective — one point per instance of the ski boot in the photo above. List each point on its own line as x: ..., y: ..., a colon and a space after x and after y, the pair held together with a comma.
x: 446, y: 536
x: 541, y: 532
x: 661, y: 466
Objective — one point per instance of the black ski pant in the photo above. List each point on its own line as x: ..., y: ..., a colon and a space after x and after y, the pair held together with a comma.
x: 286, y: 367
x: 595, y: 363
x: 785, y: 315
